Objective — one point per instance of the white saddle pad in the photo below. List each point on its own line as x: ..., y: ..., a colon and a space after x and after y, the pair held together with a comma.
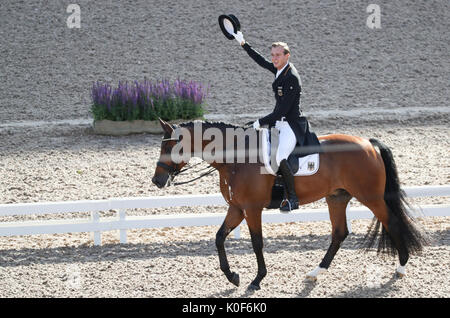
x: 307, y: 165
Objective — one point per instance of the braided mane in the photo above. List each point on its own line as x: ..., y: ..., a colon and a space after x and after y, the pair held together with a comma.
x: 221, y: 125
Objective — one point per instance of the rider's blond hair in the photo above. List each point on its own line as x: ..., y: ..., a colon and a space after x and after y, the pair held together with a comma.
x: 283, y: 45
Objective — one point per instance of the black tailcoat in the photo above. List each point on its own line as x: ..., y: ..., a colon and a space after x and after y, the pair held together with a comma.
x: 287, y: 88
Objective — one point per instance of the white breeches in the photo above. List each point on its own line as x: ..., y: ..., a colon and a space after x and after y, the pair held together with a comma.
x: 287, y: 141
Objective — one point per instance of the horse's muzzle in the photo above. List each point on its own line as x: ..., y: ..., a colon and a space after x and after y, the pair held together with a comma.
x: 160, y: 181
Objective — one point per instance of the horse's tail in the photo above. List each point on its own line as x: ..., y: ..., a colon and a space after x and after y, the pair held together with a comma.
x: 408, y: 234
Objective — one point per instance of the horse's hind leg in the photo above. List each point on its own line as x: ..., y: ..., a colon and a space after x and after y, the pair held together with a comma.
x: 234, y: 218
x: 392, y: 227
x: 337, y: 205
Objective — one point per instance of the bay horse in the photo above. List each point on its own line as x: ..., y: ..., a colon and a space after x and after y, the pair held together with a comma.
x: 361, y: 172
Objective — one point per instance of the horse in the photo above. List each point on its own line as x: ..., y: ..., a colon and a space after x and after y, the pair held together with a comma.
x: 350, y: 167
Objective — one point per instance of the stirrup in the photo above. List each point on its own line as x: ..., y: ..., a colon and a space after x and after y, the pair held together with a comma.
x: 289, y: 206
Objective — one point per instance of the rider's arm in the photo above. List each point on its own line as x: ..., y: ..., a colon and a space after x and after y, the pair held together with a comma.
x: 258, y: 58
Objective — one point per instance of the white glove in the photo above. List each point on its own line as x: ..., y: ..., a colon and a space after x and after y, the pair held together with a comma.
x: 239, y: 37
x: 256, y: 124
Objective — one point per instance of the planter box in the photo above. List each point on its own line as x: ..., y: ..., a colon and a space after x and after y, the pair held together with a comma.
x: 121, y: 128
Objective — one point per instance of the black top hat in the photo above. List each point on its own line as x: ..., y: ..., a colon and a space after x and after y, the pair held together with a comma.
x: 229, y: 24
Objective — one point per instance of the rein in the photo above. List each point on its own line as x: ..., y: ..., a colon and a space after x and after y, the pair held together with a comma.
x: 200, y: 176
x: 173, y: 172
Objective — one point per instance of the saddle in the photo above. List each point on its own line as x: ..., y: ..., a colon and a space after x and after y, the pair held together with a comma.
x: 304, y: 160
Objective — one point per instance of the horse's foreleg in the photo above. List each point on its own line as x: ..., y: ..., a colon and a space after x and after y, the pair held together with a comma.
x: 255, y: 228
x: 336, y: 205
x: 234, y: 218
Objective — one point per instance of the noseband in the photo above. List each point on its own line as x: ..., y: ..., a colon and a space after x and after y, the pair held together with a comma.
x: 171, y: 170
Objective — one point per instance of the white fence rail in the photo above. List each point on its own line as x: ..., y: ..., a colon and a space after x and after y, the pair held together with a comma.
x: 123, y: 223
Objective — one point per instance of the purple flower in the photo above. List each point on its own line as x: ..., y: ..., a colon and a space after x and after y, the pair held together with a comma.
x: 136, y: 97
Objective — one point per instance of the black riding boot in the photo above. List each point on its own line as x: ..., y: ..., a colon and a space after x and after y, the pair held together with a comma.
x: 292, y: 202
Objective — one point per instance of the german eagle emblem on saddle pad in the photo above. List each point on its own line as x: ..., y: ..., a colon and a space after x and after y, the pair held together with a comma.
x: 307, y: 165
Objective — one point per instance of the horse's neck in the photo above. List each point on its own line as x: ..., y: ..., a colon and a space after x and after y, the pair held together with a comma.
x: 225, y: 150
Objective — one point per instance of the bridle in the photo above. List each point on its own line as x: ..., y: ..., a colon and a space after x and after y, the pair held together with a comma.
x: 170, y: 169
x: 173, y: 171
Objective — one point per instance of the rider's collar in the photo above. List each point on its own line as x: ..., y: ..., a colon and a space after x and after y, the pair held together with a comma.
x: 280, y: 71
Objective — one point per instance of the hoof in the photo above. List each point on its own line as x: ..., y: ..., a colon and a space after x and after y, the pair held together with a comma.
x: 253, y: 287
x: 234, y: 279
x: 400, y: 272
x: 400, y: 275
x: 314, y: 273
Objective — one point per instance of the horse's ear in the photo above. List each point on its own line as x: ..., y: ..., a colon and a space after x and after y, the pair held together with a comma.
x: 165, y: 126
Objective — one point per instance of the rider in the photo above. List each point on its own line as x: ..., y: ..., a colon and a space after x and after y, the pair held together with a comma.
x: 286, y: 114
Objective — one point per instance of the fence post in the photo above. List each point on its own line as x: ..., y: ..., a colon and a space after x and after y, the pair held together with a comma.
x: 122, y: 232
x: 349, y: 221
x: 96, y: 235
x: 237, y: 232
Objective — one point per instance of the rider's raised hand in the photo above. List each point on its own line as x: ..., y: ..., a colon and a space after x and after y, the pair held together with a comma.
x: 239, y: 37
